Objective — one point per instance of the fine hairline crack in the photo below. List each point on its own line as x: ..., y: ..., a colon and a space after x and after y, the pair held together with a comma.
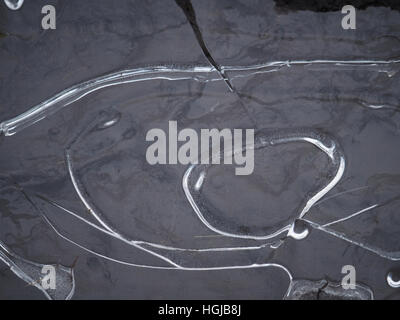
x: 190, y: 14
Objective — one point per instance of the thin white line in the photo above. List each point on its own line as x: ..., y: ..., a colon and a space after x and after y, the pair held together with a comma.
x: 350, y: 216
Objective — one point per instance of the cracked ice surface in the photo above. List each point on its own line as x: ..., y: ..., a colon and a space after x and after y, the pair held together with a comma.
x: 325, y: 181
x: 324, y: 290
x: 95, y: 144
x: 32, y: 274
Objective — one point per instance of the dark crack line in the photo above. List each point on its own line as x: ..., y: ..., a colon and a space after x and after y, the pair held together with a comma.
x: 188, y: 10
x: 321, y: 290
x: 190, y: 14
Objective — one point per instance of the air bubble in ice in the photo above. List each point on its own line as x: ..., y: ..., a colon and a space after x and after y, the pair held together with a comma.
x: 393, y: 279
x: 14, y: 4
x: 299, y: 230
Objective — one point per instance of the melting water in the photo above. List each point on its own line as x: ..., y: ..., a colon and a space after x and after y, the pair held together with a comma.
x: 186, y: 259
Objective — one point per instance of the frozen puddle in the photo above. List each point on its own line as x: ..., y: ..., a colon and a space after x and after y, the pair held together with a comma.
x: 106, y: 170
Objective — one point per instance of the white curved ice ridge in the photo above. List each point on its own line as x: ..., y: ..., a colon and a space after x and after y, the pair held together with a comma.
x: 14, y: 4
x: 31, y: 273
x: 386, y: 66
x: 196, y: 174
x: 152, y: 248
x: 108, y: 229
x: 200, y: 73
x: 78, y: 91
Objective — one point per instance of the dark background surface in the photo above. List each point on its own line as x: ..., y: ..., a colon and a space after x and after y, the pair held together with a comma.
x: 98, y: 37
